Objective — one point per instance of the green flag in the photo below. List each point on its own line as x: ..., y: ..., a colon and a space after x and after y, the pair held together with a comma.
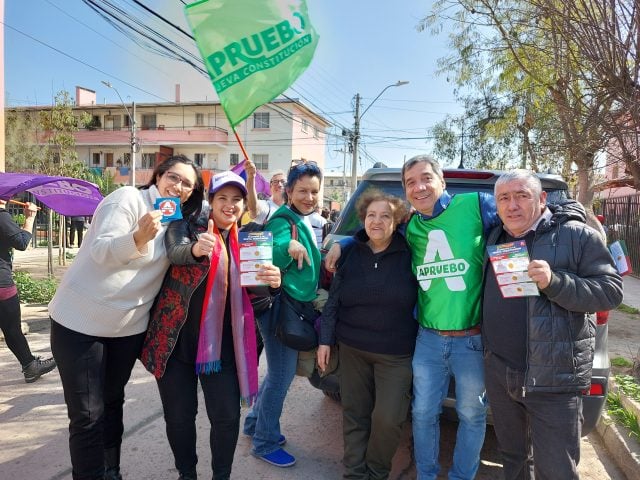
x: 253, y: 49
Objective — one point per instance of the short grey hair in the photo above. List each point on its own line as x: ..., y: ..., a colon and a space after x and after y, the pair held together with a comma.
x: 435, y: 166
x: 277, y: 172
x: 527, y: 176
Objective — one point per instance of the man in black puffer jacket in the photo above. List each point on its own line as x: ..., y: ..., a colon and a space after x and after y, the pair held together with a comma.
x: 539, y: 349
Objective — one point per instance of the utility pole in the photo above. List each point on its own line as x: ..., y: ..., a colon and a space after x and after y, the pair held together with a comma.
x: 356, y: 135
x: 132, y: 120
x: 132, y: 126
x: 356, y: 131
x: 461, y: 165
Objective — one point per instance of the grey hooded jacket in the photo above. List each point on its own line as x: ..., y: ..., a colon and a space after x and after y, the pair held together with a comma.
x: 561, y: 321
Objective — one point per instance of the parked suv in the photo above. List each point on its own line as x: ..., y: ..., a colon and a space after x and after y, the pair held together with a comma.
x: 460, y: 181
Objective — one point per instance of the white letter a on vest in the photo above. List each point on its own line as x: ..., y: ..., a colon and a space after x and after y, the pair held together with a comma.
x: 438, y: 246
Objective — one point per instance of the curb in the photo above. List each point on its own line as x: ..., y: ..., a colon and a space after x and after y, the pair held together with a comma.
x: 624, y: 451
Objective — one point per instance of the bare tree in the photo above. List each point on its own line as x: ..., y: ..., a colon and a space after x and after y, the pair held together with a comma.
x: 530, y: 46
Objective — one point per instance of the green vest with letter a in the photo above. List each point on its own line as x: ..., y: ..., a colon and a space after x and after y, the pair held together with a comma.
x: 447, y: 253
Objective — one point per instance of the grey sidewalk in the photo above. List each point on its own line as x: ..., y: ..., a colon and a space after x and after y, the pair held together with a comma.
x: 34, y: 427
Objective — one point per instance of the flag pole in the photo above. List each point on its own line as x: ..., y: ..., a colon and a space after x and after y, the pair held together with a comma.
x: 244, y: 152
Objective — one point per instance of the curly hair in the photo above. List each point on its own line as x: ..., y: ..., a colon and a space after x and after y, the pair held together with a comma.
x: 398, y: 206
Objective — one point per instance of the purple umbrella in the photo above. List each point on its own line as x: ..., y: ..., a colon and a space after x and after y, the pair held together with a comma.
x: 67, y: 196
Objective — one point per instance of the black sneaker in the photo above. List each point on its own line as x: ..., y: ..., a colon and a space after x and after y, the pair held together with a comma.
x: 37, y: 368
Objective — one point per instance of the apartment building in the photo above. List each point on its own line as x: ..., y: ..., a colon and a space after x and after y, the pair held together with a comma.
x: 273, y: 135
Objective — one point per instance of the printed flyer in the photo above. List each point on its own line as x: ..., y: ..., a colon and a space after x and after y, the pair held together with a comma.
x: 256, y: 249
x: 170, y: 208
x: 510, y: 262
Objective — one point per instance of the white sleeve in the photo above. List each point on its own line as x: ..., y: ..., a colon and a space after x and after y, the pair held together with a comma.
x: 262, y: 210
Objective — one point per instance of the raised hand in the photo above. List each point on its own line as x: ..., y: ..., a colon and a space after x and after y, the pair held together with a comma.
x: 206, y: 240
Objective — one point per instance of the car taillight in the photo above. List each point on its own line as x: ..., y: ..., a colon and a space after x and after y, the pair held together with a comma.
x: 602, y: 317
x: 595, y: 389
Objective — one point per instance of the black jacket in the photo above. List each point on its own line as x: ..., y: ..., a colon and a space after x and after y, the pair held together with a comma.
x: 11, y: 236
x: 372, y: 299
x: 561, y: 321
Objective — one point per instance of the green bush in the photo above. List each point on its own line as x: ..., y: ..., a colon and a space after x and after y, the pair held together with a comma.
x: 34, y: 291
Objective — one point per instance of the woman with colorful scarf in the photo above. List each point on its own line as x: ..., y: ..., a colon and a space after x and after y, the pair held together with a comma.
x: 202, y: 328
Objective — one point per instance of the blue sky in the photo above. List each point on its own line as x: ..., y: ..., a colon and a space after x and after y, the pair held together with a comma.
x: 51, y: 45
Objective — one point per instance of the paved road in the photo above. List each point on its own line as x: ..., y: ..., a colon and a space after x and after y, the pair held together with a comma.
x: 33, y: 426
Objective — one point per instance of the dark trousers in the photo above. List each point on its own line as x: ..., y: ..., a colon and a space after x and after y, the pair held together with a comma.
x: 94, y: 372
x: 179, y: 393
x: 12, y: 331
x: 538, y: 433
x: 76, y: 226
x: 376, y: 393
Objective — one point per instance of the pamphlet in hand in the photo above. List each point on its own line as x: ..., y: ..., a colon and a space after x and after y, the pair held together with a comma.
x: 256, y: 249
x: 170, y: 208
x: 510, y: 262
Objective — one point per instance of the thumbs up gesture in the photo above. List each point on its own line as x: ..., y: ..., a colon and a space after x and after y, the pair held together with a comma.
x: 206, y: 240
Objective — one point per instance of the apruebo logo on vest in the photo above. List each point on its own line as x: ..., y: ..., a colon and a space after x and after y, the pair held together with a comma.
x: 448, y: 267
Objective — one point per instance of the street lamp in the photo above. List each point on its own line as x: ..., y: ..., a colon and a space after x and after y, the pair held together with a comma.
x: 356, y: 130
x: 132, y: 124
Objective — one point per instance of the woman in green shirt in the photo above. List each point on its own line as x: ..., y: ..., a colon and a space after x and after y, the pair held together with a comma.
x: 300, y: 262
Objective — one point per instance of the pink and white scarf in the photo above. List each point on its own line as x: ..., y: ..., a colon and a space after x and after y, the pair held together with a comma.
x: 242, y: 321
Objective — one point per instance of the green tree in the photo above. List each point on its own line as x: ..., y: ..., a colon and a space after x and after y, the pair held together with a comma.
x: 59, y: 124
x: 22, y: 151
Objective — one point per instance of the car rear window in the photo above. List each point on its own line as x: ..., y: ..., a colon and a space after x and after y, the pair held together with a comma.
x: 349, y: 224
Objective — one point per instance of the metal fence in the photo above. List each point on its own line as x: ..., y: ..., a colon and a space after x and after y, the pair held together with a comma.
x: 622, y: 220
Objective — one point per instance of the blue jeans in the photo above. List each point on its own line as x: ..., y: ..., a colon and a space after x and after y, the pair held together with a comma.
x: 436, y: 359
x: 263, y: 421
x: 538, y: 433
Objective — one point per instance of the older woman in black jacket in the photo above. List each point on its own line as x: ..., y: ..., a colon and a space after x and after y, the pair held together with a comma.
x: 370, y: 314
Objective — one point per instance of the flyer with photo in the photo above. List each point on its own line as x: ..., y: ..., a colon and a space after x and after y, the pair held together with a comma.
x: 510, y: 262
x: 256, y: 249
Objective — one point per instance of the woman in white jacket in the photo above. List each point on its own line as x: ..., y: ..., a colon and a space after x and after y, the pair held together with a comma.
x: 100, y: 312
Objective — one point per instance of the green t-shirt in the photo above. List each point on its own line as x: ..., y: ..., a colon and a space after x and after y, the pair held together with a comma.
x: 447, y: 253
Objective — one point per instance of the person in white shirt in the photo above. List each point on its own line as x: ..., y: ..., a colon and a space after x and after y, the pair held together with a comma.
x: 317, y: 223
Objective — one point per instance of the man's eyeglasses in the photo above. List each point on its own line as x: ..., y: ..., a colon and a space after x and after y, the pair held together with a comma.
x: 175, y: 179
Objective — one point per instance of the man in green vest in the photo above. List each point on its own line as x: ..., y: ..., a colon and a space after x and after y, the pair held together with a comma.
x: 446, y: 237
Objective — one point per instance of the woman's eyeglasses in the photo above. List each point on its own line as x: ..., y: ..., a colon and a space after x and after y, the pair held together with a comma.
x: 282, y: 181
x: 175, y: 179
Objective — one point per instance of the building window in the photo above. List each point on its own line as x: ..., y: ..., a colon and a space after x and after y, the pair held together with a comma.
x: 127, y: 121
x: 96, y: 158
x: 615, y: 173
x: 305, y: 126
x: 261, y: 120
x: 234, y: 159
x: 199, y: 119
x: 198, y: 158
x: 261, y: 161
x: 112, y: 122
x: 148, y: 160
x: 316, y: 133
x: 149, y: 121
x: 127, y: 159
